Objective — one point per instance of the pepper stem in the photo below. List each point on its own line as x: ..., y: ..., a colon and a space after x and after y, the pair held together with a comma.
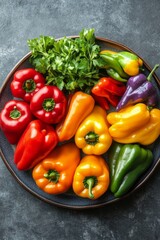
x: 151, y: 73
x: 48, y: 104
x: 91, y: 138
x: 52, y: 176
x: 29, y: 85
x: 15, y: 113
x: 90, y: 182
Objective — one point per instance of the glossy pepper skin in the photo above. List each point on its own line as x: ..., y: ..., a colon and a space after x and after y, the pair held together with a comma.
x: 113, y: 68
x: 129, y: 62
x: 113, y: 154
x: 81, y: 105
x: 54, y: 174
x: 26, y: 82
x: 36, y: 142
x: 49, y: 104
x: 139, y: 89
x: 127, y: 163
x: 91, y: 178
x: 110, y: 90
x: 121, y: 65
x: 135, y: 124
x: 14, y: 118
x: 92, y: 135
x: 101, y: 101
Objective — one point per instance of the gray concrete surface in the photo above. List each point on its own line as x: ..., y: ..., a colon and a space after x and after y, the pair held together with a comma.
x: 133, y: 23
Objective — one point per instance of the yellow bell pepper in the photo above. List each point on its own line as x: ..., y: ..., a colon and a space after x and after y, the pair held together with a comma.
x: 128, y: 119
x: 132, y: 67
x: 92, y: 135
x: 135, y: 124
x: 91, y: 178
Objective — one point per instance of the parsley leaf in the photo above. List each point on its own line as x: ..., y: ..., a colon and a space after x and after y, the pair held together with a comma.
x: 67, y: 63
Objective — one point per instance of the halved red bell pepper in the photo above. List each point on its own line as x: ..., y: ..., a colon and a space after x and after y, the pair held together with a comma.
x: 108, y: 90
x: 14, y: 118
x: 49, y: 104
x: 36, y: 142
x: 26, y: 82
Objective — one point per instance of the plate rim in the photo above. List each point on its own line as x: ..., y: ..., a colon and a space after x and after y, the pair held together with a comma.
x: 79, y: 207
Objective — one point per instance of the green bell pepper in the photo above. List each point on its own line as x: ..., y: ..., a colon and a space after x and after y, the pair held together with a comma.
x: 127, y: 162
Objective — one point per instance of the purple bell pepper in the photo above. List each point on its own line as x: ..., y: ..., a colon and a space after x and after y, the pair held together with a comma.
x: 139, y: 89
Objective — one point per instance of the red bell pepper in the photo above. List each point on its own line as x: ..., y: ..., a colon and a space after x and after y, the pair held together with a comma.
x: 14, y: 118
x: 26, y: 82
x: 108, y: 90
x: 36, y: 143
x: 101, y: 101
x: 49, y: 104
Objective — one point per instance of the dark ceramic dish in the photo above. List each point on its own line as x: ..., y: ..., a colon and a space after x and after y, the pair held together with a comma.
x: 69, y: 199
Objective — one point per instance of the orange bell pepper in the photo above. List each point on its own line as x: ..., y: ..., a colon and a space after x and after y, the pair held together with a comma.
x: 80, y: 107
x: 91, y: 178
x: 54, y: 175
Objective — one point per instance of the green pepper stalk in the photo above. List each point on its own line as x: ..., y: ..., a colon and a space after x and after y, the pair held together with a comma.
x: 52, y: 176
x: 92, y: 138
x: 90, y: 182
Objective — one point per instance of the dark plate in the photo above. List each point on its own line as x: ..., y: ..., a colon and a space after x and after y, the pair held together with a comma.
x: 69, y: 199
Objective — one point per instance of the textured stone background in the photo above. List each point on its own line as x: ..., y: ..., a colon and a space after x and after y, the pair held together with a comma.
x: 133, y: 23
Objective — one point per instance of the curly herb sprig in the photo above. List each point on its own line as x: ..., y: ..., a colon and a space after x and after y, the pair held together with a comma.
x: 67, y: 63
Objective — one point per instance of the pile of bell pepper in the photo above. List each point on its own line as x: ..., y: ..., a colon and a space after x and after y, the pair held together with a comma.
x: 92, y: 143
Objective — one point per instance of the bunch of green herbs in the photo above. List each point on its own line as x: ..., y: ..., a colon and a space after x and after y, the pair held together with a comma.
x: 68, y: 63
